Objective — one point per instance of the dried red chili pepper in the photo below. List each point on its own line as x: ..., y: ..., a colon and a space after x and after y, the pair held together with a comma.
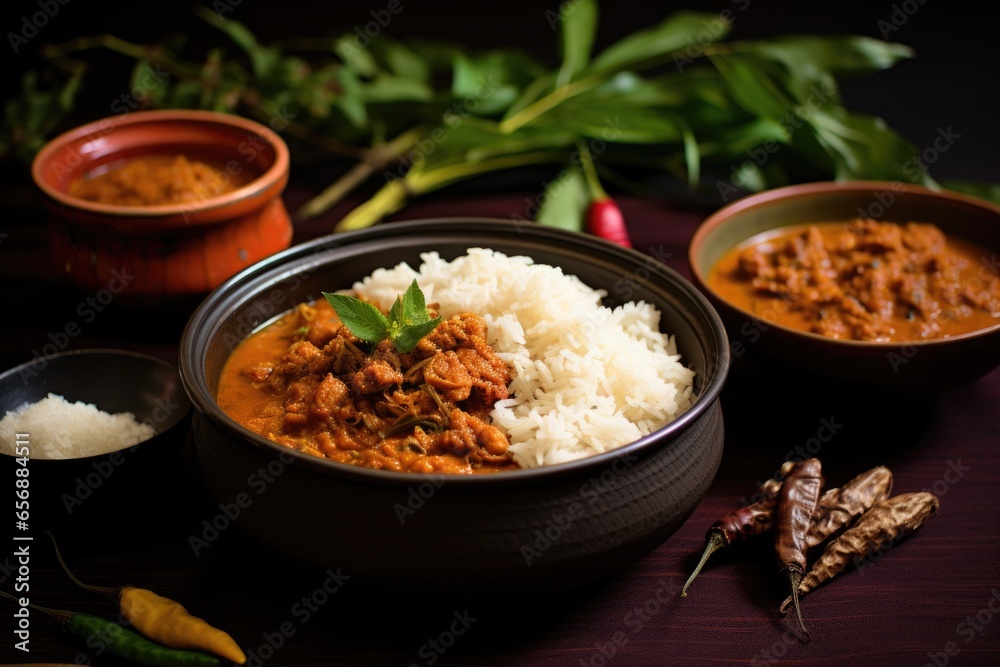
x: 740, y: 524
x: 839, y: 506
x: 798, y: 499
x: 878, y: 529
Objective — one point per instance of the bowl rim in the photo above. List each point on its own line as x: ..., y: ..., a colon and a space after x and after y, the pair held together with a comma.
x: 185, y: 407
x: 195, y: 382
x: 806, y: 190
x: 254, y: 188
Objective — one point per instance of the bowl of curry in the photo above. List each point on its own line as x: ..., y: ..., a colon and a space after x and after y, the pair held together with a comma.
x: 163, y: 203
x: 384, y: 462
x: 874, y: 283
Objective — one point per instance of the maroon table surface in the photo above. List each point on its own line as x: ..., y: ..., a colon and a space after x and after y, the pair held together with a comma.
x: 933, y: 599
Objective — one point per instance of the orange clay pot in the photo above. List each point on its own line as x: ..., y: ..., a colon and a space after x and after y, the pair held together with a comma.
x: 174, y: 249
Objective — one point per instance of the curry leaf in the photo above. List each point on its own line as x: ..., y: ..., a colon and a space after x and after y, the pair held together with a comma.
x: 409, y: 336
x: 565, y: 202
x: 988, y: 191
x: 578, y: 26
x: 678, y: 31
x: 836, y: 55
x: 360, y: 317
x: 262, y: 58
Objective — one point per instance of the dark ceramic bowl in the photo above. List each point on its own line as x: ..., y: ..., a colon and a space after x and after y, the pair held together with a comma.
x: 922, y: 367
x: 511, y: 532
x: 115, y: 381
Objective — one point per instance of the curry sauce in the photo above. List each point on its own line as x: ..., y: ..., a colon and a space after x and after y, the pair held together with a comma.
x: 156, y: 180
x: 307, y: 383
x: 862, y: 280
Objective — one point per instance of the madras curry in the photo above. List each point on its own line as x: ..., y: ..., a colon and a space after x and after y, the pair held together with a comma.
x: 306, y: 382
x: 863, y: 280
x: 156, y: 180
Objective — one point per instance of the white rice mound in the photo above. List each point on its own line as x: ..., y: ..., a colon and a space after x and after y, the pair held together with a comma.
x: 586, y: 378
x: 58, y: 429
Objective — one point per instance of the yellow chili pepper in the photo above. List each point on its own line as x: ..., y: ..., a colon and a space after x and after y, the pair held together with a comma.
x: 170, y: 624
x: 163, y: 620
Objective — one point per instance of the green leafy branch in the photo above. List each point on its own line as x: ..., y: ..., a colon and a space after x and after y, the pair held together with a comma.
x: 420, y: 116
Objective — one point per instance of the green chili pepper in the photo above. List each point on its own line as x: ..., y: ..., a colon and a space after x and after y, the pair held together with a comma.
x: 103, y: 635
x: 98, y: 632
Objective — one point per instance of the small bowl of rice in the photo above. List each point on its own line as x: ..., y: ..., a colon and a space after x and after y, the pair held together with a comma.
x: 613, y: 419
x: 84, y: 426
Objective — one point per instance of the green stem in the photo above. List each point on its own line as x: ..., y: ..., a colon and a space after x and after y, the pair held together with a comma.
x: 424, y: 181
x: 550, y: 101
x: 119, y: 45
x: 377, y: 158
x: 394, y: 194
x: 597, y: 192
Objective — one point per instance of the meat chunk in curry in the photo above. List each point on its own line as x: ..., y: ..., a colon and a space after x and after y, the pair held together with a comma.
x: 864, y: 280
x: 308, y: 383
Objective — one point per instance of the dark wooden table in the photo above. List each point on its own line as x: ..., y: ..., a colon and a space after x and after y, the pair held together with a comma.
x: 934, y: 599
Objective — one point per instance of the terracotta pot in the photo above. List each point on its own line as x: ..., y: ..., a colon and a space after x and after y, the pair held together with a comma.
x: 174, y: 249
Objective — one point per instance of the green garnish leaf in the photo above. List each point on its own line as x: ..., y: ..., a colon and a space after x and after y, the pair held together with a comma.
x: 409, y: 336
x: 414, y: 308
x: 408, y: 320
x: 360, y: 317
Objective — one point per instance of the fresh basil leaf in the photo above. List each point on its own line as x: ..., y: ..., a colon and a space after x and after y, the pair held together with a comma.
x: 409, y: 336
x: 360, y: 317
x: 565, y: 201
x: 396, y: 312
x: 414, y: 309
x: 678, y: 31
x: 577, y: 29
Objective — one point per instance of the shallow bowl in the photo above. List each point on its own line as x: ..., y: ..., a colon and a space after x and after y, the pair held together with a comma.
x: 919, y: 367
x: 115, y: 381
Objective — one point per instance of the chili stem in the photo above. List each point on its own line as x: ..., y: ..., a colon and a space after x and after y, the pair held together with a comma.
x: 59, y: 614
x: 112, y: 593
x: 716, y: 540
x: 796, y: 579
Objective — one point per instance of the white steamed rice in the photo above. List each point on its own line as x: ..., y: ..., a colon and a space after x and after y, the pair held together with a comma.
x: 58, y: 429
x: 586, y: 378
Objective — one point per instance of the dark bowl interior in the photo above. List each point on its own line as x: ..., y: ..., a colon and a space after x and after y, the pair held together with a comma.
x: 507, y: 532
x: 919, y: 367
x: 115, y: 381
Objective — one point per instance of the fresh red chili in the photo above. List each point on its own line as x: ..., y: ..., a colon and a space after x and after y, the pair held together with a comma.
x: 605, y: 220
